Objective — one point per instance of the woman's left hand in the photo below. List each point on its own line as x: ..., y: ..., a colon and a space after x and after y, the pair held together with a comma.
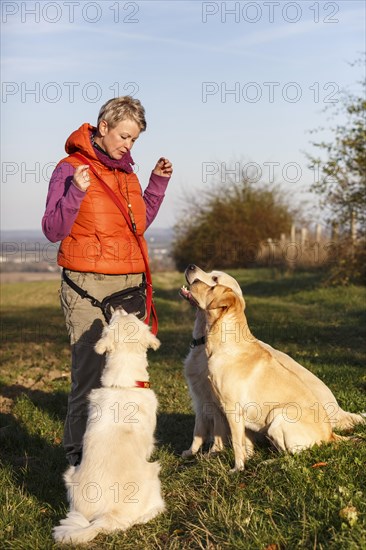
x: 163, y: 168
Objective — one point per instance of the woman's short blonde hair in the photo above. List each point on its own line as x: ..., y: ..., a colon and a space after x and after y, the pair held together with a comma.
x: 121, y: 108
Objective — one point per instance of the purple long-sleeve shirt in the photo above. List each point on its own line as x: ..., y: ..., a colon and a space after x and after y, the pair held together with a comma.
x: 64, y: 200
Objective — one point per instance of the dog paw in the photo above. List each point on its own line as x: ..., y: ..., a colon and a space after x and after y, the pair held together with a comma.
x: 237, y: 468
x: 187, y: 453
x: 216, y: 449
x: 249, y: 453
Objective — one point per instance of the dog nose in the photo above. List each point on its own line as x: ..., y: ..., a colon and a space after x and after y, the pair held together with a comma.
x: 191, y: 267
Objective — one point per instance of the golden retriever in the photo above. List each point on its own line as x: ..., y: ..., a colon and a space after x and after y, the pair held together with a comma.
x: 255, y: 385
x: 115, y: 486
x: 210, y: 425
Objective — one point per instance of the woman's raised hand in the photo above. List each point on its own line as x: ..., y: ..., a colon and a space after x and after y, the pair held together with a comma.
x: 81, y: 177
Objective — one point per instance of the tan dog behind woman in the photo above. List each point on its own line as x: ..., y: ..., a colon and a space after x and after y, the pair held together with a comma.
x: 254, y: 382
x: 115, y: 486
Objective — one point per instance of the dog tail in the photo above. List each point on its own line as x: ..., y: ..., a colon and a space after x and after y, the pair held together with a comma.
x: 75, y: 528
x: 347, y: 420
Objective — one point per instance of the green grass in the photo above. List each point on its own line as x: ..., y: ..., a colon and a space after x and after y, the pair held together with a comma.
x: 278, y: 502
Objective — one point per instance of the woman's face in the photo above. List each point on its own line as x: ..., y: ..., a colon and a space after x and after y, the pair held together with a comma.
x: 118, y: 140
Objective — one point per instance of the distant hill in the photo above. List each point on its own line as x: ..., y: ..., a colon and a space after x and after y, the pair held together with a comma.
x: 29, y: 250
x: 35, y: 235
x: 22, y: 235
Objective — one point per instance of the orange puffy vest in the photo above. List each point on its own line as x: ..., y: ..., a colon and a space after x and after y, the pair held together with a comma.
x: 100, y: 240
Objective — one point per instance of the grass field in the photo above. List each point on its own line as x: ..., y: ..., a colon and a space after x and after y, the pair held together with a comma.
x: 315, y: 500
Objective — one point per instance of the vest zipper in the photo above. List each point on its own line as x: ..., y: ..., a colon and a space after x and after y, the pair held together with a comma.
x: 127, y: 199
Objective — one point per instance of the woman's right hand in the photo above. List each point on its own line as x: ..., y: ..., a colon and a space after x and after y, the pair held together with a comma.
x: 81, y: 177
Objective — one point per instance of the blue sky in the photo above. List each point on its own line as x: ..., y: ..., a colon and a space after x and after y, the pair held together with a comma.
x: 228, y: 87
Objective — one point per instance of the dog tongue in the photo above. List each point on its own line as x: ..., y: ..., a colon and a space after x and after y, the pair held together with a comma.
x: 186, y: 294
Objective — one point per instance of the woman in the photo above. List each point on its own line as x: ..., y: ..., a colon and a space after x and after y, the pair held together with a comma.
x: 98, y: 250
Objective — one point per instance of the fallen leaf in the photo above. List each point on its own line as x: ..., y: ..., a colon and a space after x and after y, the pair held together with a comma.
x: 320, y: 465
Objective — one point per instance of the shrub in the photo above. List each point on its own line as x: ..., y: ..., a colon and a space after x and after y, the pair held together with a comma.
x: 225, y: 228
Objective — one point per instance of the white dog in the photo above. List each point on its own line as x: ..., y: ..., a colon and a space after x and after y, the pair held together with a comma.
x: 115, y: 486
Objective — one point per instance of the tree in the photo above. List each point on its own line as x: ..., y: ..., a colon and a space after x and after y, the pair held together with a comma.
x: 342, y: 177
x: 342, y: 187
x: 225, y: 227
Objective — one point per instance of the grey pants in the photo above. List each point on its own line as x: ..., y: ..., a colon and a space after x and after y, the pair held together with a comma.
x: 84, y: 324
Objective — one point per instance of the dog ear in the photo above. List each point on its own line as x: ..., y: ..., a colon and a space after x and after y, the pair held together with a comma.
x: 220, y: 297
x: 145, y: 338
x: 153, y: 341
x: 107, y: 342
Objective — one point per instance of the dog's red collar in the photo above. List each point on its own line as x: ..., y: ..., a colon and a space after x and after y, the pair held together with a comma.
x: 139, y: 384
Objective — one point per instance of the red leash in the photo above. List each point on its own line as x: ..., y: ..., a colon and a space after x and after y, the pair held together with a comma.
x: 150, y: 307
